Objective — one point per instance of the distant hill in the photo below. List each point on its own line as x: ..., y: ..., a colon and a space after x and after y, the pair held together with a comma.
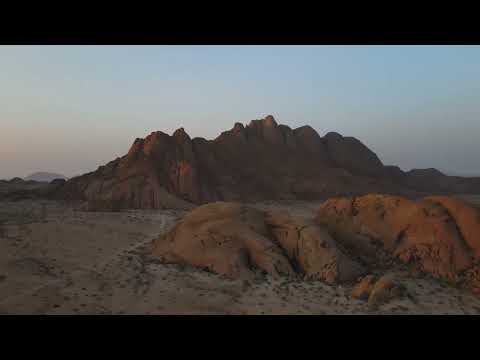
x: 472, y: 174
x: 44, y: 177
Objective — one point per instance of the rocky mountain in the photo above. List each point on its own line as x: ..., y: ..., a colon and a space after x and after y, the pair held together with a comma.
x: 44, y: 177
x: 260, y: 161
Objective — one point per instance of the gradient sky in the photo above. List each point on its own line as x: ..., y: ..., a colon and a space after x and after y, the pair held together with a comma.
x: 69, y: 109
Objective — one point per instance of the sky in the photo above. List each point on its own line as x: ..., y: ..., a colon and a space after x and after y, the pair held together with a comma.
x: 70, y: 109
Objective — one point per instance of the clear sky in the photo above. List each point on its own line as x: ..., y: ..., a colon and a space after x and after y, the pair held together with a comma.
x: 69, y: 109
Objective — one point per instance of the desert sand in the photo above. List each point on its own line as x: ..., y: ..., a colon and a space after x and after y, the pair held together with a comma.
x: 55, y: 259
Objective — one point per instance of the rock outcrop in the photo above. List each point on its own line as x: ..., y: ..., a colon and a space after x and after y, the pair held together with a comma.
x: 466, y: 217
x: 431, y: 233
x: 234, y: 240
x: 378, y: 290
x: 311, y: 249
x: 364, y: 288
x: 348, y: 238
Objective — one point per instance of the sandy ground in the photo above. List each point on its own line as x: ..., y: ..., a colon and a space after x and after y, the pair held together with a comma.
x: 55, y: 260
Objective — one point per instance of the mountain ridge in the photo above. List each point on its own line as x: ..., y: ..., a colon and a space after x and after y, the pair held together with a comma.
x: 260, y: 161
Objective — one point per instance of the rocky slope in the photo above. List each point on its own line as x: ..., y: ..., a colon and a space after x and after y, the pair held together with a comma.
x: 438, y: 235
x: 234, y: 240
x: 260, y: 161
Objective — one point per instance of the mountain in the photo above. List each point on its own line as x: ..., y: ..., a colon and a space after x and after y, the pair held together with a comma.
x: 260, y: 161
x: 44, y: 177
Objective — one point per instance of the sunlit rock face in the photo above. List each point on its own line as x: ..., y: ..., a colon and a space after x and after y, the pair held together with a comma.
x: 439, y: 235
x: 236, y: 241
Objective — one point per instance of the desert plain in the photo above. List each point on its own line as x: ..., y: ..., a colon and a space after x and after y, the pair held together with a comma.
x: 56, y: 258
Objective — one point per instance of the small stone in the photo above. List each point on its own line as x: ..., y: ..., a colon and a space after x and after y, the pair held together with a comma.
x: 385, y: 290
x: 363, y: 289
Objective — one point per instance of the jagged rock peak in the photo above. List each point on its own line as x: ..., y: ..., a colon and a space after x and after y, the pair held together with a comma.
x: 153, y: 136
x: 253, y: 123
x: 179, y: 131
x: 238, y: 127
x: 181, y: 134
x: 136, y: 146
x: 269, y: 121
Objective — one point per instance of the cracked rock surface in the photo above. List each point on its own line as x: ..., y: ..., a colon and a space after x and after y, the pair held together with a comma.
x: 235, y: 240
x: 436, y: 235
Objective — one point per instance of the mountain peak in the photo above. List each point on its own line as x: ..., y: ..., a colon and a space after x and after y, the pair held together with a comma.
x: 269, y: 121
x: 180, y: 135
x: 238, y: 127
